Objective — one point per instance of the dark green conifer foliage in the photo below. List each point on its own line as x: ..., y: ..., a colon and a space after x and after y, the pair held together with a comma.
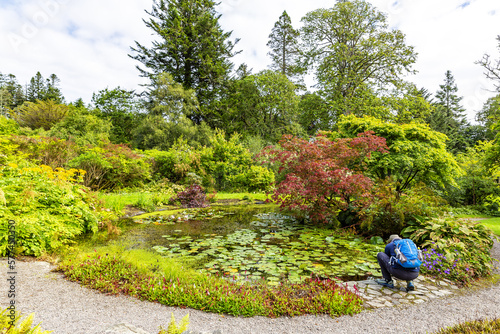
x: 192, y: 47
x: 449, y: 117
x: 11, y: 93
x: 284, y: 45
x: 44, y: 89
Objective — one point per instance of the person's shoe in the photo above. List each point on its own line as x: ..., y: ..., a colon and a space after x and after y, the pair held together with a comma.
x: 385, y: 282
x: 410, y: 286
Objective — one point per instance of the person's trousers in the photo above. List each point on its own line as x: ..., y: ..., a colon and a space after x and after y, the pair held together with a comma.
x: 388, y: 271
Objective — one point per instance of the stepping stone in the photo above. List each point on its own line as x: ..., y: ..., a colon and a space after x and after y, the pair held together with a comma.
x: 416, y: 292
x: 387, y: 291
x: 373, y: 293
x: 397, y: 296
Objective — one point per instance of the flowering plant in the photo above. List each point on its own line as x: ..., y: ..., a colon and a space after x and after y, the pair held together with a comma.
x: 462, y: 268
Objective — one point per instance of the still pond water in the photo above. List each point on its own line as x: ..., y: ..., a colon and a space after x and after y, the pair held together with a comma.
x: 253, y: 243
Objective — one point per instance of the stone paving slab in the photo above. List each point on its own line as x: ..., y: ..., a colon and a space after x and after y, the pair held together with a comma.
x: 426, y: 288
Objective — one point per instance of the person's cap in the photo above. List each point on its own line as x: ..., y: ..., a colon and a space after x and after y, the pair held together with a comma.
x: 393, y: 237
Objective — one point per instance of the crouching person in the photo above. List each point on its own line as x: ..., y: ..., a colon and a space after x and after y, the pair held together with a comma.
x: 401, y: 259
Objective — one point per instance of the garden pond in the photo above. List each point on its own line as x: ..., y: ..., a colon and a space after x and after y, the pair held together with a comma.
x: 254, y: 243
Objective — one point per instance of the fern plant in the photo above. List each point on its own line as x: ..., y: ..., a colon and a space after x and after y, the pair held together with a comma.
x: 173, y: 328
x: 18, y: 327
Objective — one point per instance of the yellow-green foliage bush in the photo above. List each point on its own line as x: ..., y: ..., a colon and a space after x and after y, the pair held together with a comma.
x: 48, y: 206
x: 12, y: 324
x: 8, y: 126
x: 174, y: 328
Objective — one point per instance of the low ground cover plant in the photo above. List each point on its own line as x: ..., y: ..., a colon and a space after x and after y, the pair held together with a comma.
x: 456, y: 249
x: 187, y: 288
x: 473, y: 327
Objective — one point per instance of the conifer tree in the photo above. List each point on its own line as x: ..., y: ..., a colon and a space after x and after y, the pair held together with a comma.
x: 11, y: 93
x: 449, y: 117
x: 191, y: 47
x: 284, y: 45
x: 44, y: 89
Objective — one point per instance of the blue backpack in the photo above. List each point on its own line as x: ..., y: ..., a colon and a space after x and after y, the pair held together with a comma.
x: 407, y: 254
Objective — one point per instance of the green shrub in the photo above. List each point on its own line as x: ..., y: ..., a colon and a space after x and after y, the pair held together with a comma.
x: 8, y: 126
x: 83, y: 129
x: 471, y: 211
x: 50, y: 151
x: 112, y: 166
x: 49, y: 208
x: 454, y: 248
x: 175, y: 163
x: 256, y: 178
x: 158, y: 132
x: 392, y: 212
x: 9, y: 151
x: 40, y: 114
x: 229, y: 166
x: 225, y: 165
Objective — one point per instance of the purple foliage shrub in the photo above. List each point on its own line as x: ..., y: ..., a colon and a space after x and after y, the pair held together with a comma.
x: 192, y: 197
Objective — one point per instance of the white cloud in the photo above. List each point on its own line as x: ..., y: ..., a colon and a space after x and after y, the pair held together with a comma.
x: 86, y: 43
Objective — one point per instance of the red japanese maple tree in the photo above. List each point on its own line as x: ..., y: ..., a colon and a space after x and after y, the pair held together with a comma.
x: 322, y: 177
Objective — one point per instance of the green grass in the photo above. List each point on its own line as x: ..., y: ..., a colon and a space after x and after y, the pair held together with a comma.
x: 118, y: 201
x: 493, y: 224
x: 242, y: 196
x: 149, y: 201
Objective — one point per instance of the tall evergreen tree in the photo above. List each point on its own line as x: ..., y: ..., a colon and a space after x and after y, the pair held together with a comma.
x: 192, y: 47
x: 36, y: 88
x: 44, y: 89
x: 11, y: 93
x: 284, y: 45
x: 449, y: 117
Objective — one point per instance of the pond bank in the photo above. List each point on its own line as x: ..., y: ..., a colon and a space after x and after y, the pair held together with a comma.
x: 67, y: 307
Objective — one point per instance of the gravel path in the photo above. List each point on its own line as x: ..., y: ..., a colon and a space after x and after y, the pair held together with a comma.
x: 67, y: 307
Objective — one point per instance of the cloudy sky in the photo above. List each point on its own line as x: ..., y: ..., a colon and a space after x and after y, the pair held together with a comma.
x: 86, y: 43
